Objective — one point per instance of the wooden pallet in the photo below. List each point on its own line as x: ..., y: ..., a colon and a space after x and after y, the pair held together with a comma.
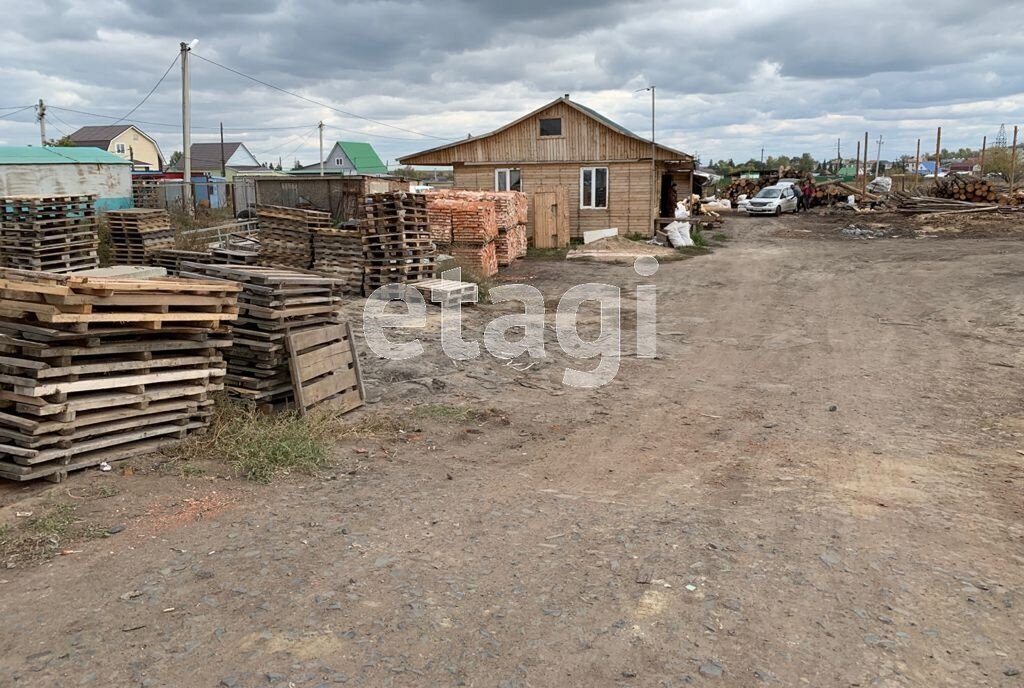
x: 324, y: 367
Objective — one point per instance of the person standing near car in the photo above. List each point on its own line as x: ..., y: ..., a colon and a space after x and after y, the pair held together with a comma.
x: 800, y: 205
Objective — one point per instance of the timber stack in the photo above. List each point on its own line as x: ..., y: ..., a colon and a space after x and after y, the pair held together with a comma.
x: 450, y: 207
x: 474, y: 235
x: 286, y: 235
x: 964, y: 188
x: 146, y: 193
x: 338, y: 253
x: 48, y: 233
x: 397, y: 248
x: 96, y: 369
x: 273, y: 304
x: 137, y: 233
x: 742, y: 187
x: 171, y: 259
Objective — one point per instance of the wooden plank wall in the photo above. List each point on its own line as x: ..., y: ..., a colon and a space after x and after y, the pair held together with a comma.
x: 583, y: 139
x: 628, y: 198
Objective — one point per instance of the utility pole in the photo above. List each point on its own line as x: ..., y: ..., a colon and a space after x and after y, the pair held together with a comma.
x: 762, y: 155
x: 984, y: 141
x: 321, y: 127
x: 186, y: 130
x: 938, y: 153
x: 654, y: 166
x: 839, y: 155
x: 878, y: 157
x: 917, y: 161
x: 223, y: 162
x: 41, y: 116
x: 864, y: 182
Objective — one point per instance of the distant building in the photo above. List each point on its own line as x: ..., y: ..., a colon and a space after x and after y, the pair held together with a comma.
x: 207, y: 157
x: 348, y: 157
x: 123, y: 140
x: 581, y: 170
x: 33, y: 171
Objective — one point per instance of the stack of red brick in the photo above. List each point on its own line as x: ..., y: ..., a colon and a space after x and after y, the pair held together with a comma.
x: 477, y: 235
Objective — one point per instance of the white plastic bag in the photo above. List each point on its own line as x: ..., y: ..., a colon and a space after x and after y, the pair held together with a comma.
x: 681, y: 211
x: 679, y: 234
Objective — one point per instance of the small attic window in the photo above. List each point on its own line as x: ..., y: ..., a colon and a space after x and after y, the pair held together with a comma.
x: 551, y: 127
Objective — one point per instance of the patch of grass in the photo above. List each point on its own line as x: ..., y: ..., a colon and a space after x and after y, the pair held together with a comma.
x: 41, y: 537
x: 469, y: 274
x: 262, y: 446
x: 719, y: 237
x: 698, y: 238
x: 637, y: 236
x: 447, y: 412
x: 692, y: 251
x: 547, y: 253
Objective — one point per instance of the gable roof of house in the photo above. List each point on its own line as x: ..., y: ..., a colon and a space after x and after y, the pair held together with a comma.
x: 206, y: 156
x: 98, y: 137
x: 593, y: 114
x: 363, y: 157
x: 58, y: 155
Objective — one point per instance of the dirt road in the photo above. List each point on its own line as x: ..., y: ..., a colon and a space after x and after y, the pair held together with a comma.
x: 818, y: 482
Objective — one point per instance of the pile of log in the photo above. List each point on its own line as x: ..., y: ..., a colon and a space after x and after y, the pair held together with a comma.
x: 742, y: 187
x: 965, y: 188
x: 99, y: 369
x: 286, y: 235
x: 397, y: 247
x: 338, y: 253
x: 136, y: 233
x: 273, y: 304
x: 1013, y: 199
x: 49, y: 233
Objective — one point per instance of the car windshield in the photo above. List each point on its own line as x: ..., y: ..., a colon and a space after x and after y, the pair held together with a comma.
x: 768, y: 193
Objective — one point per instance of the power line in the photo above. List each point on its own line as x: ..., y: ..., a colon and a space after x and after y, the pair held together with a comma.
x: 302, y: 142
x: 288, y: 141
x: 11, y: 114
x: 152, y: 90
x: 16, y: 107
x: 372, y: 136
x: 315, y: 102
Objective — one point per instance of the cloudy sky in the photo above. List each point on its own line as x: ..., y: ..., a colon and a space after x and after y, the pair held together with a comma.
x: 731, y: 75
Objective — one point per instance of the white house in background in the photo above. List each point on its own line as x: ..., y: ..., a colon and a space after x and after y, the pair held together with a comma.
x: 207, y: 157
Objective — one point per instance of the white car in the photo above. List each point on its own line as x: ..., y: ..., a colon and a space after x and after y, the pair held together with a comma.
x: 773, y: 200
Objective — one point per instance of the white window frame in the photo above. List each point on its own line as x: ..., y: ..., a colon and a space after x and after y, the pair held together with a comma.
x: 120, y: 148
x: 339, y: 162
x: 507, y: 171
x: 589, y: 203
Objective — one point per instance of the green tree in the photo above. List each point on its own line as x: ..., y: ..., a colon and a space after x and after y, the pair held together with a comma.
x: 806, y: 163
x: 62, y: 142
x: 175, y: 157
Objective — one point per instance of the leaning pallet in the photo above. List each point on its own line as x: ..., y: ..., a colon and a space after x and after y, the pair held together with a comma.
x: 48, y: 233
x: 324, y: 366
x: 273, y: 304
x: 95, y: 369
x: 136, y: 233
x: 286, y: 235
x: 397, y: 247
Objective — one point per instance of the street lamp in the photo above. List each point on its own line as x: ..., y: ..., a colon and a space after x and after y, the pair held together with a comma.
x: 654, y: 158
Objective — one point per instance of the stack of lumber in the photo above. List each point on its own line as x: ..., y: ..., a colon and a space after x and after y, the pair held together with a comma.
x: 54, y: 233
x: 339, y: 253
x: 135, y: 233
x: 439, y: 218
x: 1013, y: 200
x: 481, y: 260
x: 921, y: 205
x: 286, y: 237
x: 397, y: 247
x: 965, y: 188
x: 740, y: 187
x: 511, y: 244
x: 171, y: 259
x: 474, y: 232
x: 273, y: 304
x: 146, y: 193
x: 510, y: 207
x: 97, y: 369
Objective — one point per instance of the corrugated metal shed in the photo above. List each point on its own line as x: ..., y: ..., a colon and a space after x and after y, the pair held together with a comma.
x: 31, y: 155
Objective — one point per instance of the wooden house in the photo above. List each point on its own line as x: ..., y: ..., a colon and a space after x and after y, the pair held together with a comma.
x: 581, y: 170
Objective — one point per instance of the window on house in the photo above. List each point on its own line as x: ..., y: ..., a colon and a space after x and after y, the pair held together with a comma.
x: 551, y: 127
x: 339, y: 162
x: 119, y: 148
x: 594, y: 187
x: 508, y: 179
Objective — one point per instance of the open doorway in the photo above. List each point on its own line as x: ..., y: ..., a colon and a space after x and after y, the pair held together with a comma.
x: 669, y: 195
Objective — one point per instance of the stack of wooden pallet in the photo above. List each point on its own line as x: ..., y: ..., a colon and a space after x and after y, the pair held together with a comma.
x: 286, y: 235
x: 171, y: 259
x: 96, y: 369
x: 274, y: 303
x: 339, y: 253
x: 135, y: 233
x: 397, y: 247
x: 146, y: 193
x: 511, y: 244
x: 55, y: 233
